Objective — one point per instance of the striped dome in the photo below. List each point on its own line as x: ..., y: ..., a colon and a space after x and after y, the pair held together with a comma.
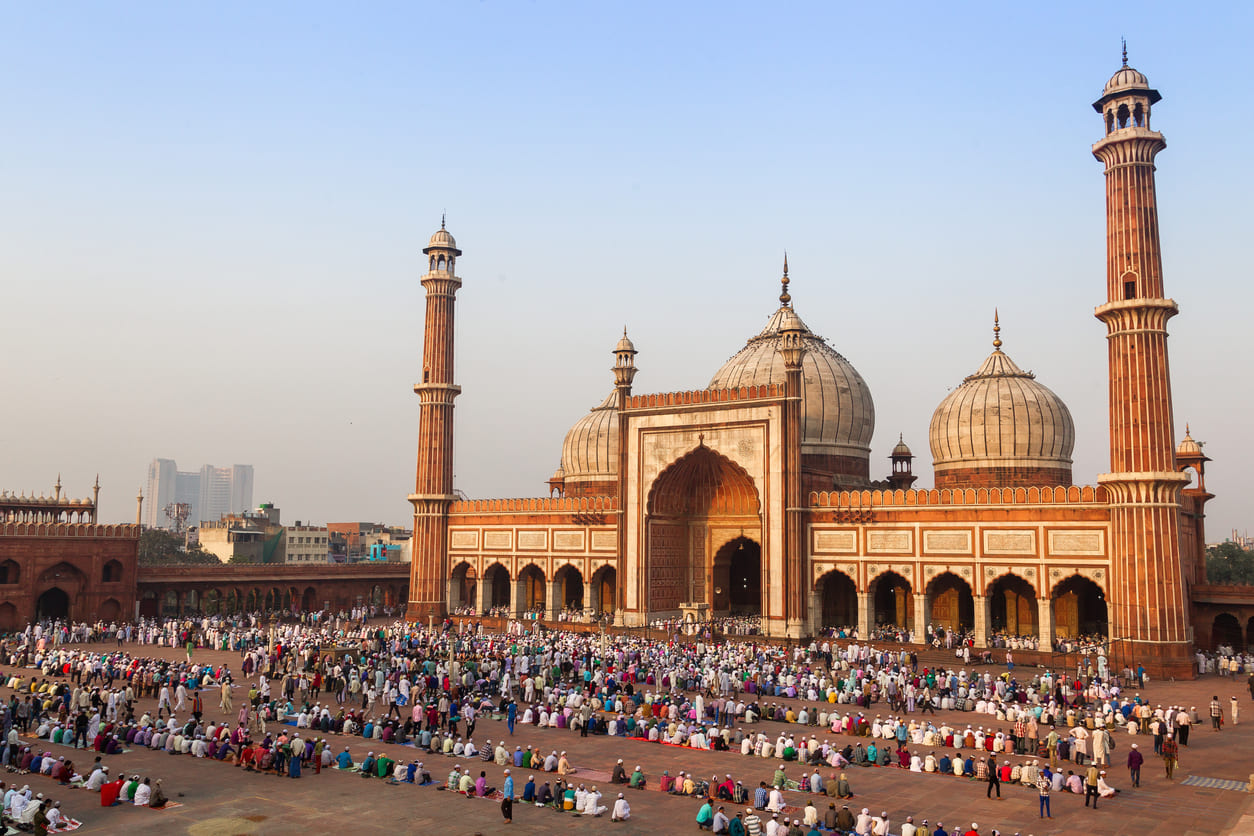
x: 837, y: 413
x: 590, y: 452
x: 1002, y: 417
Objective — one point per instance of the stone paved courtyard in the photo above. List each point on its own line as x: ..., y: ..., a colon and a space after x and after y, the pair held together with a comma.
x: 219, y: 800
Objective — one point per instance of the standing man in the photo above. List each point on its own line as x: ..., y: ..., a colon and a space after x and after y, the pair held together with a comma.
x: 1090, y: 786
x: 1236, y: 709
x: 1043, y: 788
x: 1171, y: 755
x: 994, y: 782
x: 1216, y: 713
x: 1134, y: 765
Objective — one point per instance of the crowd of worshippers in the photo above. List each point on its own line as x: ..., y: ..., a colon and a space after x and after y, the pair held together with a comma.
x: 26, y: 809
x: 222, y: 631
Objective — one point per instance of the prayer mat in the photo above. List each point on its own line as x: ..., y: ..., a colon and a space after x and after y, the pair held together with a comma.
x: 586, y: 775
x: 169, y: 805
x: 1215, y: 783
x: 67, y: 824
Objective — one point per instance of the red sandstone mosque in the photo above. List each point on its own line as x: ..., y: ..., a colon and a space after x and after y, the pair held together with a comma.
x: 756, y: 494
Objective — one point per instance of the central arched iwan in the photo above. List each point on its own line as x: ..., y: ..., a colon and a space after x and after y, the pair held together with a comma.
x: 703, y: 483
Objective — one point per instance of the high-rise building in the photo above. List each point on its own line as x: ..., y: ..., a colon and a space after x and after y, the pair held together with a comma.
x: 208, y: 493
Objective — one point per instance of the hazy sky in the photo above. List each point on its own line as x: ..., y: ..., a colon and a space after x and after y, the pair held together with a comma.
x: 214, y: 213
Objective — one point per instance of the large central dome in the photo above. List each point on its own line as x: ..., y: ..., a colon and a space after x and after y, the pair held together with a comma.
x: 837, y: 413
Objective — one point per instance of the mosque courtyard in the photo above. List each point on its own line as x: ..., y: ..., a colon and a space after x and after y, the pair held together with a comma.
x: 210, y: 798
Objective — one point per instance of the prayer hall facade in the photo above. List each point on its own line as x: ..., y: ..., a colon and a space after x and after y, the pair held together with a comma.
x: 757, y: 494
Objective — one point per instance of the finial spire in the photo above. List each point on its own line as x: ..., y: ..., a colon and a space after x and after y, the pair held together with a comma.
x: 1187, y: 433
x: 444, y: 214
x: 1124, y: 41
x: 996, y: 330
x: 784, y: 298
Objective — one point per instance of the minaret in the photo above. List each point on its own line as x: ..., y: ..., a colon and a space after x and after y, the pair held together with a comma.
x: 624, y: 373
x: 139, y: 507
x: 433, y: 484
x: 1150, y: 617
x: 793, y: 350
x: 95, y: 501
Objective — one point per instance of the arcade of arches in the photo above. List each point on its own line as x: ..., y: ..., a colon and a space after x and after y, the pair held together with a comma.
x: 1010, y: 606
x: 531, y: 591
x: 177, y: 590
x: 704, y: 537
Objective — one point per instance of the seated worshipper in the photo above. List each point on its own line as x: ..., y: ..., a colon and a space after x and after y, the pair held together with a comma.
x: 1104, y: 789
x: 97, y: 778
x: 637, y: 779
x: 143, y: 793
x: 109, y: 792
x: 622, y: 810
x: 158, y: 797
x: 592, y: 805
x: 1075, y: 783
x: 619, y: 775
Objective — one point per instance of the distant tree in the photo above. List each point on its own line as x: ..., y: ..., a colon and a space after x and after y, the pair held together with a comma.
x: 1228, y: 563
x: 158, y: 547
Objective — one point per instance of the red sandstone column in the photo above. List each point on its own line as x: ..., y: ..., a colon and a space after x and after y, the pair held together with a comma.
x: 433, y: 484
x: 1148, y: 601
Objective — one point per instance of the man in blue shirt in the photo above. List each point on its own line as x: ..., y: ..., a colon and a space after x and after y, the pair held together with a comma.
x: 760, y: 796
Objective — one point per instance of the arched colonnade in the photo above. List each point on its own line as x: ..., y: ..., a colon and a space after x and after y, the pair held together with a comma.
x: 1008, y: 604
x: 532, y: 590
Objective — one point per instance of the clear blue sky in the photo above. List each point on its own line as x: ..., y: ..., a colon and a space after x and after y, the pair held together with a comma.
x: 214, y: 213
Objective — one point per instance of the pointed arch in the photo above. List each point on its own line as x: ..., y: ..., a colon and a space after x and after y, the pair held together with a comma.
x: 838, y: 600
x: 950, y: 603
x: 703, y: 483
x: 1012, y: 605
x: 1080, y: 607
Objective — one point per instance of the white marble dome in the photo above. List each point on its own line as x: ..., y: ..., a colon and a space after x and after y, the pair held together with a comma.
x: 590, y: 452
x: 1001, y: 416
x: 837, y: 413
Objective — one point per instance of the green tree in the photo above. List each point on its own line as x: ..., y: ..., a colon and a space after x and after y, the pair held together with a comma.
x: 158, y: 547
x: 1228, y: 563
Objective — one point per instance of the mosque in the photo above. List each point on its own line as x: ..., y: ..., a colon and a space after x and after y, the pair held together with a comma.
x: 757, y: 494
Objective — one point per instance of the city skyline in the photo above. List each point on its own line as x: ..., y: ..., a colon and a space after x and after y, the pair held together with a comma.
x: 270, y: 213
x: 209, y: 492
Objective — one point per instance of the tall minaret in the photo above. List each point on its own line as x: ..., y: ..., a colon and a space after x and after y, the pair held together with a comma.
x: 624, y: 373
x: 433, y: 485
x: 793, y: 348
x: 1150, y: 618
